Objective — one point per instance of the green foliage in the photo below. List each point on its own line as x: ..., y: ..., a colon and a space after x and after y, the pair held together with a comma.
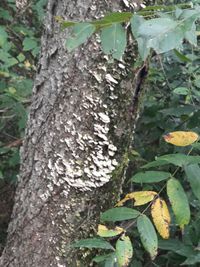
x: 162, y: 34
x: 19, y: 48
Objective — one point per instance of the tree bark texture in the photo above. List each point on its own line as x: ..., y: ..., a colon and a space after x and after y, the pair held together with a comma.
x: 75, y: 149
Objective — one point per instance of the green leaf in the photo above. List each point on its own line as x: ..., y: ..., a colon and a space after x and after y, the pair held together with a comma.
x: 196, y: 145
x: 175, y: 159
x: 136, y: 263
x: 105, y: 257
x: 92, y: 243
x: 181, y: 56
x: 192, y: 259
x: 188, y: 24
x: 21, y: 57
x: 176, y: 246
x: 119, y: 214
x: 191, y: 37
x: 4, y: 14
x: 113, y: 40
x: 81, y: 32
x: 181, y: 91
x: 155, y: 163
x: 180, y: 159
x: 193, y: 176
x: 29, y: 44
x: 179, y: 202
x: 3, y: 36
x: 163, y: 34
x: 124, y: 251
x: 40, y: 8
x: 136, y: 21
x: 179, y: 111
x: 1, y: 175
x: 148, y: 235
x: 197, y: 82
x: 150, y: 177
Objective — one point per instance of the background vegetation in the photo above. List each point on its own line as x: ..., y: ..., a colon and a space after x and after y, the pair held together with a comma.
x: 171, y: 102
x: 20, y: 33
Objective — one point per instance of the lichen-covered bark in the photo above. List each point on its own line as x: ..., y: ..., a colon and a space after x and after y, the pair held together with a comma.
x: 78, y: 134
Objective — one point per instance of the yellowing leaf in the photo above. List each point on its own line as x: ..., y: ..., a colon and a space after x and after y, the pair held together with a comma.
x: 181, y: 138
x: 103, y: 231
x: 161, y: 217
x: 27, y: 64
x: 140, y: 198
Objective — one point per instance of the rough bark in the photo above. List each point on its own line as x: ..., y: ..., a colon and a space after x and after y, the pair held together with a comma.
x: 78, y: 135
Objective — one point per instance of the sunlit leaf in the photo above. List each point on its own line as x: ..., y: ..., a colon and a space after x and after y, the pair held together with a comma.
x: 150, y: 177
x: 181, y: 138
x: 163, y: 34
x: 179, y: 202
x: 193, y: 176
x: 124, y: 251
x: 81, y: 32
x: 161, y: 217
x: 92, y: 243
x: 148, y: 235
x: 103, y: 231
x: 140, y: 198
x: 119, y: 214
x: 113, y: 40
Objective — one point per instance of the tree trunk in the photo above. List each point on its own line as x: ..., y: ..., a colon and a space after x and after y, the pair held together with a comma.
x: 75, y: 149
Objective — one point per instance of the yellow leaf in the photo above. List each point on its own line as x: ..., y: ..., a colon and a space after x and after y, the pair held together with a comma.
x: 140, y: 198
x: 103, y: 231
x: 27, y: 64
x: 161, y: 217
x: 181, y: 138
